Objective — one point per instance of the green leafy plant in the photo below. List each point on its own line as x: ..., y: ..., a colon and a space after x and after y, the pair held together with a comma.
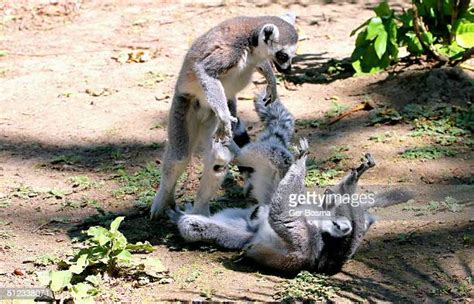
x: 142, y: 183
x: 106, y: 252
x: 307, y: 287
x: 443, y: 30
x: 317, y: 177
x: 82, y: 182
x: 384, y: 115
x: 336, y: 108
x: 382, y: 137
x: 446, y: 124
x: 427, y: 152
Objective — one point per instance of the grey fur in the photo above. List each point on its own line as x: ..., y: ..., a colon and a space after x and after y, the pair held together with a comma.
x: 218, y: 65
x: 268, y: 158
x: 270, y: 235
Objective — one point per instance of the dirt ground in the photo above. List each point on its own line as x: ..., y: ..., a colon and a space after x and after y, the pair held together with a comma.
x: 68, y: 109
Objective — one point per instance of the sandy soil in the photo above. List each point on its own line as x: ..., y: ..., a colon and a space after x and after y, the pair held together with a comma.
x: 53, y: 128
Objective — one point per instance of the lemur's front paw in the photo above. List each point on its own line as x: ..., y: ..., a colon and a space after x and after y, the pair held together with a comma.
x: 224, y: 132
x: 270, y: 95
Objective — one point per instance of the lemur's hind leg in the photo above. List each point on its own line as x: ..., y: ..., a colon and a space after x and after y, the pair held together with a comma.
x: 367, y: 163
x: 349, y: 183
x: 198, y: 228
x: 217, y: 157
x: 216, y: 164
x: 181, y: 143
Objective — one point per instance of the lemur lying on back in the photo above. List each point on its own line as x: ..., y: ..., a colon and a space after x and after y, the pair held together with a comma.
x: 274, y: 236
x: 218, y: 65
x: 268, y: 232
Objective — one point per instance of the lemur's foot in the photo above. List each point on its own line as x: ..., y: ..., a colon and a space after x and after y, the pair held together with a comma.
x: 160, y: 204
x: 367, y: 163
x: 303, y: 149
x: 369, y: 160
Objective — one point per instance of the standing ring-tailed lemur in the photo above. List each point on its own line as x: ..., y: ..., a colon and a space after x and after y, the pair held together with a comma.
x: 218, y: 65
x: 279, y: 237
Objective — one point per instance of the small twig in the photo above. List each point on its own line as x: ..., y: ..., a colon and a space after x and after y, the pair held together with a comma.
x: 41, y: 226
x: 419, y: 27
x: 366, y: 106
x: 189, y: 17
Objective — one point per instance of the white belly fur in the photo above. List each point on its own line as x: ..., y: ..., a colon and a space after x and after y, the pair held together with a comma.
x: 235, y: 80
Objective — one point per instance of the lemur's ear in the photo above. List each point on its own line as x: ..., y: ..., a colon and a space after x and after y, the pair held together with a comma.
x: 269, y: 33
x: 289, y: 17
x: 329, y: 199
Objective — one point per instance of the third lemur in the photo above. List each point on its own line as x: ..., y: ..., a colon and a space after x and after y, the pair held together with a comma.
x: 218, y: 65
x: 265, y: 161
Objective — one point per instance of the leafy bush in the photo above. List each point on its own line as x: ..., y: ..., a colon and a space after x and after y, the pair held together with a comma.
x: 443, y: 30
x: 106, y: 253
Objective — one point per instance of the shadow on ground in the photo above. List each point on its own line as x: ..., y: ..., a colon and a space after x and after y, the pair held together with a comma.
x: 318, y: 69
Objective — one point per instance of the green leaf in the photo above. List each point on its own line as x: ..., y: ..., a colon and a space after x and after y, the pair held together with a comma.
x: 60, y: 279
x: 381, y: 44
x: 80, y: 264
x: 427, y: 37
x: 145, y: 247
x: 407, y: 18
x: 391, y: 28
x: 119, y: 242
x: 359, y: 27
x: 99, y: 235
x: 361, y: 39
x: 124, y: 256
x: 356, y: 65
x: 116, y: 223
x: 152, y: 267
x: 374, y: 28
x: 464, y: 31
x: 95, y: 280
x: 383, y: 10
x: 83, y: 293
x: 44, y: 277
x: 453, y: 51
x: 413, y: 44
x: 3, y: 53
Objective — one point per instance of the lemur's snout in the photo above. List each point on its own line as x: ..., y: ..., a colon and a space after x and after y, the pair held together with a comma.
x: 286, y: 70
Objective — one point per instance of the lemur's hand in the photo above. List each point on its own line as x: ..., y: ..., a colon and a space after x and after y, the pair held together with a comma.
x: 270, y: 95
x: 224, y: 131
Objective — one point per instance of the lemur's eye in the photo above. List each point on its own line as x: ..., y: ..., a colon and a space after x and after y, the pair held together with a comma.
x: 282, y: 57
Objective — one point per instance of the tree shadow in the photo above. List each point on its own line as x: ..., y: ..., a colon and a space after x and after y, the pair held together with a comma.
x: 318, y: 69
x: 94, y: 157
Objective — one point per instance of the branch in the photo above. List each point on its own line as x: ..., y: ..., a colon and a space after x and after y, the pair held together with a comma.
x: 418, y: 25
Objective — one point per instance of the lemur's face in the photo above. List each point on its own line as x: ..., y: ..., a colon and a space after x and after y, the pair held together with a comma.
x: 282, y: 58
x: 279, y: 46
